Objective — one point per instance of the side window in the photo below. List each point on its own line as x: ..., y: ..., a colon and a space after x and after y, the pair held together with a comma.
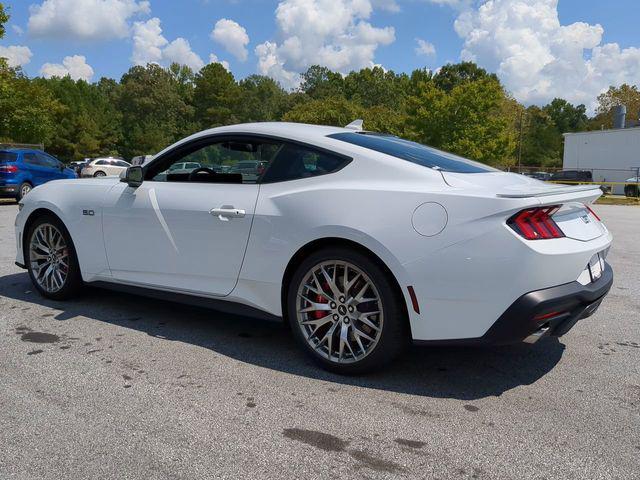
x: 100, y: 162
x: 229, y: 161
x: 294, y: 162
x: 30, y: 158
x: 47, y: 161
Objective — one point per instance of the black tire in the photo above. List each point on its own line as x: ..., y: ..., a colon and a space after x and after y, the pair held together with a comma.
x: 631, y: 191
x: 25, y: 188
x: 394, y: 336
x: 99, y: 173
x: 72, y: 285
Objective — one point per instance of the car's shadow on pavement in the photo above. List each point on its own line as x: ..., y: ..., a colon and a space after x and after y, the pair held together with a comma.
x: 461, y: 373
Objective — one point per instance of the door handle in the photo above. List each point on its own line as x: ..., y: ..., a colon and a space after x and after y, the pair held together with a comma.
x: 226, y: 212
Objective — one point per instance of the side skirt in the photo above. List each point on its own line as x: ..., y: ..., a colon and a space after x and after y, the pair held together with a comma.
x: 224, y: 306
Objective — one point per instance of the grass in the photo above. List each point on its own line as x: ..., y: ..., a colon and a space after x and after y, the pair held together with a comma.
x: 617, y: 200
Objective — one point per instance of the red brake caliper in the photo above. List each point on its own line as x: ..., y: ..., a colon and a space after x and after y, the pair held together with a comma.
x: 318, y: 314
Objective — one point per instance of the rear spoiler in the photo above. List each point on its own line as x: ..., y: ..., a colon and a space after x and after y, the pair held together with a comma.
x: 548, y: 193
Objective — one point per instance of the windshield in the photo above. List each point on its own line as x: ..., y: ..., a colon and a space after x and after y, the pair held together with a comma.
x: 413, y: 152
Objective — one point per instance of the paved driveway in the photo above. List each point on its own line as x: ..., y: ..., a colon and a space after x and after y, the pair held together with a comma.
x: 117, y: 386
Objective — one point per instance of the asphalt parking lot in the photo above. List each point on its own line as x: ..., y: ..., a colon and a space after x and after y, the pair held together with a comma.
x: 118, y: 386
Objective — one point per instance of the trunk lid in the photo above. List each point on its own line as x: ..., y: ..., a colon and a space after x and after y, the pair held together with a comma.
x: 574, y: 218
x: 513, y: 185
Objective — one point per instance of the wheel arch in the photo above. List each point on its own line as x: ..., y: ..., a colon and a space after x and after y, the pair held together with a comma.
x: 35, y: 215
x: 327, y: 242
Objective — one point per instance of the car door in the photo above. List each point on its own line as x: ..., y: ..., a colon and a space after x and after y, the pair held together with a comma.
x: 182, y: 233
x: 37, y: 172
x: 52, y: 167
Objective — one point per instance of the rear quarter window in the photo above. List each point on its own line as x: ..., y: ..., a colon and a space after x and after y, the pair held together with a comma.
x: 413, y: 152
x: 8, y: 157
x: 294, y: 162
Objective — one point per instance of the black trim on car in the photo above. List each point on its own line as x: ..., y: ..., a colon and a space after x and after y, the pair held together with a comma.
x: 165, y: 159
x: 573, y: 301
x: 21, y: 265
x: 224, y: 306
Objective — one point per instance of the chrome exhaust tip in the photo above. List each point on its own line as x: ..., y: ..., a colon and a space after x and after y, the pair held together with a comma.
x: 537, y: 335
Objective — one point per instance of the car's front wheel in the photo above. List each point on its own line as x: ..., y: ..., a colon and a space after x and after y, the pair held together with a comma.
x: 51, y: 259
x: 345, y: 311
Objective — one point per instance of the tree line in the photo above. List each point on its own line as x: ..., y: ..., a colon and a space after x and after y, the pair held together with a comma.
x: 461, y: 108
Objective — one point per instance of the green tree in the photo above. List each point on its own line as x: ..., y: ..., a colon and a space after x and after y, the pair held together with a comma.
x: 27, y: 109
x: 469, y: 120
x: 88, y: 122
x: 4, y: 18
x: 453, y: 75
x: 541, y: 140
x: 216, y: 97
x: 374, y: 86
x: 336, y: 111
x: 262, y: 99
x: 320, y: 82
x: 153, y: 110
x: 567, y: 117
x: 627, y: 95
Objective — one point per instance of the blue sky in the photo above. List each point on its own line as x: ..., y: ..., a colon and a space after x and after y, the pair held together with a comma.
x: 604, y: 40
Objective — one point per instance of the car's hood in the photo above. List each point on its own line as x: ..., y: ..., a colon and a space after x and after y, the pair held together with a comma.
x: 109, y: 180
x: 511, y: 185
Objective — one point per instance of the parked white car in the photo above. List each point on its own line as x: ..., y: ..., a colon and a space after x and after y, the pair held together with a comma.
x: 102, y: 167
x: 361, y: 241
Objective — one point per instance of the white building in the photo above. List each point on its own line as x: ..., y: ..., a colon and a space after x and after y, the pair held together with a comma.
x: 612, y: 155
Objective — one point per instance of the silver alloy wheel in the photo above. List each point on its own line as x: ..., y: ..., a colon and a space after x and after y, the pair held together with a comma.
x: 26, y: 188
x: 339, y: 311
x: 49, y: 257
x: 100, y: 174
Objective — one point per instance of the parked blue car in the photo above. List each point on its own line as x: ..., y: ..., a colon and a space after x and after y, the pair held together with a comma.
x: 23, y: 169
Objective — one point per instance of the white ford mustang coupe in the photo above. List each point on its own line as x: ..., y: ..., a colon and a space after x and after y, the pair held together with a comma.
x: 363, y: 242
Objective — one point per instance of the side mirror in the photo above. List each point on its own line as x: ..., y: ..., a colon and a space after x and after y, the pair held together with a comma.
x: 133, y: 176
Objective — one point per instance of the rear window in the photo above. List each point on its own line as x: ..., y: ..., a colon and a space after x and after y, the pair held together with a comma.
x: 413, y: 152
x: 8, y: 157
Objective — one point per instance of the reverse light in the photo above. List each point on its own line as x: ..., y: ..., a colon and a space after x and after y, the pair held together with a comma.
x: 536, y: 223
x: 8, y: 168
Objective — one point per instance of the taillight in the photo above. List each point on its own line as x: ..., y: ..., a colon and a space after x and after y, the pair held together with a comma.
x: 8, y: 168
x: 536, y: 223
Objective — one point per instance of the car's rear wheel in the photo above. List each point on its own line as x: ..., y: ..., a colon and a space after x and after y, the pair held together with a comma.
x: 99, y: 173
x: 345, y: 311
x: 24, y: 189
x: 51, y: 259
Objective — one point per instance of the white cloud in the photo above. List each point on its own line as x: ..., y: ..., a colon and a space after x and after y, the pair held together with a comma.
x: 147, y: 42
x: 388, y: 5
x: 213, y: 58
x: 84, y: 19
x: 179, y: 51
x: 17, y: 29
x: 458, y: 4
x: 232, y: 36
x: 332, y: 33
x: 16, y: 55
x: 537, y: 58
x: 150, y: 46
x: 425, y: 48
x: 76, y: 67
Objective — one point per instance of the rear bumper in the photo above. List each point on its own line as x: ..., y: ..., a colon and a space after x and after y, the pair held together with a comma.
x: 9, y: 190
x: 551, y: 311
